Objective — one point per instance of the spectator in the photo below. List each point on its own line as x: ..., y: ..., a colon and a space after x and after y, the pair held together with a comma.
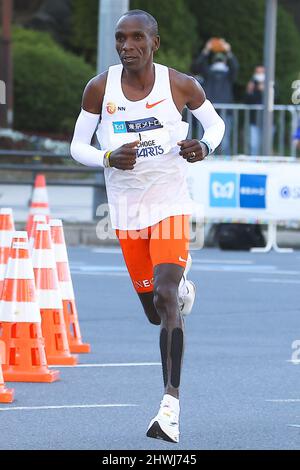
x: 297, y: 136
x: 254, y: 95
x: 219, y: 68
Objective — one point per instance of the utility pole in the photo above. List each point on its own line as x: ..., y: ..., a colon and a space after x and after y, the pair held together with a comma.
x: 269, y: 63
x: 109, y: 13
x: 6, y: 116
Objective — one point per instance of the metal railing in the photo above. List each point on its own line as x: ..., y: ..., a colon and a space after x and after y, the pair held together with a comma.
x: 243, y: 120
x: 95, y: 181
x: 285, y: 118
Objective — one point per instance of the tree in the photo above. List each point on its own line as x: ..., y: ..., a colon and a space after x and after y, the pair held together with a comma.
x: 242, y: 24
x: 84, y: 27
x: 178, y: 41
x: 185, y: 26
x: 177, y: 29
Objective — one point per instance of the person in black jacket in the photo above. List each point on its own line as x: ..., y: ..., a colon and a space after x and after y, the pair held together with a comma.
x: 218, y: 67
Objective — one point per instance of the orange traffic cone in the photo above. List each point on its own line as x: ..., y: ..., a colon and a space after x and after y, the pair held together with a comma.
x: 20, y: 320
x: 39, y: 201
x: 66, y: 288
x: 6, y: 230
x: 49, y: 298
x: 6, y: 394
x: 37, y: 219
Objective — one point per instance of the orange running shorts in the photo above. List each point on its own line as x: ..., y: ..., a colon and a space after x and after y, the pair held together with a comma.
x: 165, y: 242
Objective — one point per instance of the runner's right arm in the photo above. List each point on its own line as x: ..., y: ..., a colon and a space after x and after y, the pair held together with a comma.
x: 81, y: 149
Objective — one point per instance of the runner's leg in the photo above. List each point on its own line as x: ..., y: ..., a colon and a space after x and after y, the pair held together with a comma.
x: 169, y: 252
x: 135, y: 248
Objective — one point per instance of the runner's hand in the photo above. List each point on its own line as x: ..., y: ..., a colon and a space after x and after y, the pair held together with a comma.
x: 192, y: 150
x: 124, y: 157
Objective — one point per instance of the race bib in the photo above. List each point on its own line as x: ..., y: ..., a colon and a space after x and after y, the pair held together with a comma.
x: 155, y: 138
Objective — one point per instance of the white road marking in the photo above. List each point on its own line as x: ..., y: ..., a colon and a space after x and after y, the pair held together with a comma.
x: 262, y: 269
x: 254, y: 269
x: 293, y: 425
x: 117, y: 364
x: 295, y: 362
x: 99, y: 273
x: 280, y: 281
x: 285, y: 400
x: 59, y: 407
x: 103, y: 268
x: 222, y: 261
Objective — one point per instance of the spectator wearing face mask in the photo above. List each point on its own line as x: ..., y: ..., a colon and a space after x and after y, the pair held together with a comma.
x: 218, y: 67
x: 255, y: 95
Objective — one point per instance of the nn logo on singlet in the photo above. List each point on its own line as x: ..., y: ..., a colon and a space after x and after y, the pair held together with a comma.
x: 139, y: 125
x: 111, y: 108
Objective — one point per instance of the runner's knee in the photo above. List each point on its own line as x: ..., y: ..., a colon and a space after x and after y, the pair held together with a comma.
x: 165, y: 295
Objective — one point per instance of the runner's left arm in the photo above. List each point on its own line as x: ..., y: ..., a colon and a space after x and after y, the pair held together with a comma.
x: 191, y: 94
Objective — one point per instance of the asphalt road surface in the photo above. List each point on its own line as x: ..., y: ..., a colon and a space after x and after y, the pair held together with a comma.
x: 241, y: 376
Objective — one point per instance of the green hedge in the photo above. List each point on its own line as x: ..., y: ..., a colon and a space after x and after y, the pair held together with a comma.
x: 48, y: 83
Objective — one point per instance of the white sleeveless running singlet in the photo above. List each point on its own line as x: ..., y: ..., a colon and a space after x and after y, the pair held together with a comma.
x: 156, y: 188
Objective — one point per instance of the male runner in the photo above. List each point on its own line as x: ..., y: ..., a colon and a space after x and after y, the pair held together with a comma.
x: 146, y: 155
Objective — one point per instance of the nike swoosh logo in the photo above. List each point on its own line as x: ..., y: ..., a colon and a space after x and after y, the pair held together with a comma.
x: 149, y: 106
x: 181, y: 259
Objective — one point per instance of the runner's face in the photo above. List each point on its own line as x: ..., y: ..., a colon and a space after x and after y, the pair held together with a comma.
x: 134, y: 42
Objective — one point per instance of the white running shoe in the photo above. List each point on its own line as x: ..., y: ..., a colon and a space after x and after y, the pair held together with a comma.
x: 186, y: 302
x: 186, y: 290
x: 165, y: 425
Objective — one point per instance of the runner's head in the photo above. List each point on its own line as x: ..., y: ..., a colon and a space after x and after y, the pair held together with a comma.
x: 136, y: 39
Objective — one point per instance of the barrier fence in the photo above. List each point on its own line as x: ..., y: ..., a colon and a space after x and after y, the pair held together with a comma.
x: 265, y: 191
x: 87, y: 177
x: 244, y: 129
